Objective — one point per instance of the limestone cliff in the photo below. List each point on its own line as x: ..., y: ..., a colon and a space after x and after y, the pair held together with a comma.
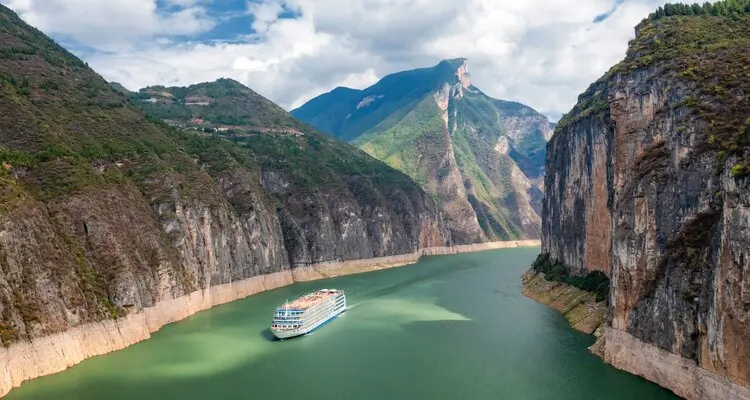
x: 647, y: 180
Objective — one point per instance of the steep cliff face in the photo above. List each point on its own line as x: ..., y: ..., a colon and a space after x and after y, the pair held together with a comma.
x: 104, y: 214
x: 576, y: 221
x: 481, y: 158
x: 647, y: 180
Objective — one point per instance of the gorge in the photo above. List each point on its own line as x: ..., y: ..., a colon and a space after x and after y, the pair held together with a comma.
x: 122, y: 211
x: 114, y: 223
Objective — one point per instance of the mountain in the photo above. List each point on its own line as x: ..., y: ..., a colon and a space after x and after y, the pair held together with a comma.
x: 223, y: 105
x: 113, y: 223
x: 118, y: 87
x: 648, y: 181
x: 481, y: 158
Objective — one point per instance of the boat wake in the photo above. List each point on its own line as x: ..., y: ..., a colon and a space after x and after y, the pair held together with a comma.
x: 417, y: 280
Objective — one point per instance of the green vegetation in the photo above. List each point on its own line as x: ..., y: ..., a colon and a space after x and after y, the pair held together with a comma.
x: 417, y: 143
x: 309, y: 160
x: 726, y: 8
x: 591, y: 103
x: 739, y: 171
x: 413, y: 144
x: 63, y: 120
x: 594, y: 281
x: 703, y: 51
x: 342, y: 113
x: 223, y: 102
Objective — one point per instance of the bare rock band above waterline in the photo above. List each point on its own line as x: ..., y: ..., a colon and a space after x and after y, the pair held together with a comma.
x: 54, y: 353
x: 682, y: 376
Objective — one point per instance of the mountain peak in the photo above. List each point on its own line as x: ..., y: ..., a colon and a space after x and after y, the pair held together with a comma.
x: 480, y: 157
x: 458, y: 67
x: 456, y: 63
x: 229, y: 82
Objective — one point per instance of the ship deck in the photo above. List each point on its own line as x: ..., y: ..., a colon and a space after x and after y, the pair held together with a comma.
x: 310, y: 299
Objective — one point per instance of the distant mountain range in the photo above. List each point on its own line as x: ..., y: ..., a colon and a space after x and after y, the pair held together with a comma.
x: 482, y: 158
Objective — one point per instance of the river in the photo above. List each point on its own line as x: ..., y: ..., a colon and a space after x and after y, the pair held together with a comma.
x: 448, y: 327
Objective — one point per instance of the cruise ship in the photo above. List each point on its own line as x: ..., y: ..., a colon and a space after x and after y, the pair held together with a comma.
x: 307, y: 312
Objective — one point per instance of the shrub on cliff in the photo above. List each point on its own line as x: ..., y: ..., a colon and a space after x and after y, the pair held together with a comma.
x: 594, y: 281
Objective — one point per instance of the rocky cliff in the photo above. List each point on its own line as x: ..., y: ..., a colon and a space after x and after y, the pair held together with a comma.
x: 647, y: 180
x: 481, y: 158
x: 112, y: 224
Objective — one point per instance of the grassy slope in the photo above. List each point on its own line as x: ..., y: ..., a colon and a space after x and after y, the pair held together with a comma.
x: 64, y: 132
x: 486, y: 115
x: 311, y: 159
x: 403, y: 127
x: 488, y: 171
x: 231, y: 104
x: 337, y: 112
x: 399, y: 145
x: 59, y: 117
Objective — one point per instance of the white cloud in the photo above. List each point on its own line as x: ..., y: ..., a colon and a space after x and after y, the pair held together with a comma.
x: 542, y: 53
x: 111, y: 24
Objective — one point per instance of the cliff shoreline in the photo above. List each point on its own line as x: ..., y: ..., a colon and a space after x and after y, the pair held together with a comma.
x: 625, y: 352
x: 579, y: 307
x: 682, y: 376
x: 55, y: 353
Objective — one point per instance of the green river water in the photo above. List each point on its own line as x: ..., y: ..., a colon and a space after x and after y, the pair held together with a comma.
x: 448, y: 327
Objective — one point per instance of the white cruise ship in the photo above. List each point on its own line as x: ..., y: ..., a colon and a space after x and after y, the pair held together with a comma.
x: 307, y: 312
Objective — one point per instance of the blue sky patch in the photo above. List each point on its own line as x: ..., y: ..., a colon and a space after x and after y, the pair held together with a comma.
x: 601, y: 17
x: 232, y: 18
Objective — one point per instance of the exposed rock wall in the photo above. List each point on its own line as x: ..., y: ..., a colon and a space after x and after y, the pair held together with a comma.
x: 640, y: 184
x: 110, y: 252
x: 112, y: 223
x: 576, y: 220
x: 681, y: 375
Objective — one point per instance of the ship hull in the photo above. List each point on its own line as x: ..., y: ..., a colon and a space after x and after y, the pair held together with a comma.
x: 300, y: 332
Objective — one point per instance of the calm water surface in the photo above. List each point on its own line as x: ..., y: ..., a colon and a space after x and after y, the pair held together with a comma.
x: 449, y: 327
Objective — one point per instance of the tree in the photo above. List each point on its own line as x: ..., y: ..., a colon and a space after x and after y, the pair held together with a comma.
x: 726, y: 8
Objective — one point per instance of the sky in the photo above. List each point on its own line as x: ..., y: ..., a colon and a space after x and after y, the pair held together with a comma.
x: 542, y: 53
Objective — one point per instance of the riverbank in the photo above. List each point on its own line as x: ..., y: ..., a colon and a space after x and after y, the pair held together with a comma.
x: 625, y: 352
x: 57, y: 352
x: 680, y: 375
x: 578, y: 306
x: 333, y: 269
